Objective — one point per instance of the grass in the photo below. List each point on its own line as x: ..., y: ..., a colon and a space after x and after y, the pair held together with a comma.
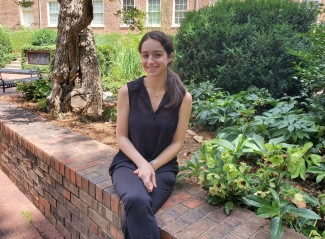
x: 28, y: 216
x: 20, y: 38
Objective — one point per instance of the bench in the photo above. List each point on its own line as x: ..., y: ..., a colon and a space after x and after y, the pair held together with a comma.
x: 34, y: 75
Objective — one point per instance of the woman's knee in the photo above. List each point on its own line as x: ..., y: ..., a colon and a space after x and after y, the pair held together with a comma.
x: 137, y: 199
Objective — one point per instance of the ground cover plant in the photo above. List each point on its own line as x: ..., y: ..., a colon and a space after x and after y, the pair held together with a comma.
x: 268, y: 155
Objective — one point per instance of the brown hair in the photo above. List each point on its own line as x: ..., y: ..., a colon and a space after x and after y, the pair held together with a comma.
x: 174, y: 86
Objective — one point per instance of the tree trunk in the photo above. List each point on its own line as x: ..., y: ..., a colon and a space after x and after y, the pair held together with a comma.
x: 76, y: 74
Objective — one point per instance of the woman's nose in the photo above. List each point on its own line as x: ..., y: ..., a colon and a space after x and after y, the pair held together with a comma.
x: 150, y: 59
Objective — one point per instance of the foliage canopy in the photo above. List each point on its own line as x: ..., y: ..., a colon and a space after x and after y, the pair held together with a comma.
x: 242, y: 43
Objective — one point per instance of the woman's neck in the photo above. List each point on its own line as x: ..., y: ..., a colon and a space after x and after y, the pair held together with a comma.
x: 155, y: 84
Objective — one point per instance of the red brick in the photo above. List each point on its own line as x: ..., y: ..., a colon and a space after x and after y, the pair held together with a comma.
x: 115, y: 201
x: 45, y: 203
x: 115, y: 233
x: 192, y: 203
x: 88, y: 200
x: 63, y: 191
x: 174, y: 227
x: 58, y: 177
x: 71, y: 187
x: 107, y: 199
x: 79, y: 204
x: 89, y: 223
x: 98, y: 219
x: 170, y: 203
x: 72, y: 209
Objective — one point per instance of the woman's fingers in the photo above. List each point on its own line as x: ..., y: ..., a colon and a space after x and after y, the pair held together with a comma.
x: 148, y: 178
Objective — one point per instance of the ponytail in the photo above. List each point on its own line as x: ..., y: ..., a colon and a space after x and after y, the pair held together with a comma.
x: 175, y: 89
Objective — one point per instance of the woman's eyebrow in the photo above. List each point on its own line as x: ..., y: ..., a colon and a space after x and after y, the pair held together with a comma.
x: 153, y: 51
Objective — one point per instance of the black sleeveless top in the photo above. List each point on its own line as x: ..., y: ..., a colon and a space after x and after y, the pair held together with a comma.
x: 150, y: 132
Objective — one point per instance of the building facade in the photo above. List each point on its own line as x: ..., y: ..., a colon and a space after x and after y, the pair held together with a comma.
x: 162, y: 14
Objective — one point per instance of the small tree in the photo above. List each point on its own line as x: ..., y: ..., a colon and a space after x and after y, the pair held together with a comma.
x: 75, y: 78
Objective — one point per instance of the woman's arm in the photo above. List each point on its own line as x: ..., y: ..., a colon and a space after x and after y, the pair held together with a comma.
x: 178, y: 140
x: 145, y: 170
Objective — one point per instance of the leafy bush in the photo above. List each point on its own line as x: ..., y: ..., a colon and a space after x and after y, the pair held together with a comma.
x: 44, y: 37
x: 5, y: 48
x: 105, y: 53
x: 119, y: 59
x: 242, y: 43
x: 311, y: 68
x: 20, y: 38
x: 35, y: 90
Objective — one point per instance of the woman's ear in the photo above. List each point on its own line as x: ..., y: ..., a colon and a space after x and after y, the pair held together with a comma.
x: 171, y: 57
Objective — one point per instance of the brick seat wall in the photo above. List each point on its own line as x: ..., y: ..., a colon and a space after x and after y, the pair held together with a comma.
x: 65, y: 175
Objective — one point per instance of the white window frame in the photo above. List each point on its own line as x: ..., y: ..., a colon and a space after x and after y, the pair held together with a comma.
x: 318, y: 2
x: 122, y: 6
x: 174, y: 24
x: 23, y: 10
x: 99, y: 12
x: 212, y: 2
x: 49, y: 24
x: 148, y: 23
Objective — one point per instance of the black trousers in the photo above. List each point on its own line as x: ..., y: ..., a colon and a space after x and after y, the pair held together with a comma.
x: 139, y: 220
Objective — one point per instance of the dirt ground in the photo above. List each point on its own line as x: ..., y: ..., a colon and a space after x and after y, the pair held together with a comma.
x: 105, y: 131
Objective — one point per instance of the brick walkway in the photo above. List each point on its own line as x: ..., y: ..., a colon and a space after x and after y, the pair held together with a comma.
x: 241, y: 224
x: 19, y: 218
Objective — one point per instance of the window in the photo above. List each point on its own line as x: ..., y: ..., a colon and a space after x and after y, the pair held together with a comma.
x: 180, y: 8
x: 27, y: 17
x: 153, y: 13
x: 316, y: 2
x: 53, y: 13
x: 127, y: 5
x: 212, y: 2
x: 98, y: 6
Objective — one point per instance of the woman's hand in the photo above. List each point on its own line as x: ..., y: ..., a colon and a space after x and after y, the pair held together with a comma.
x: 146, y: 173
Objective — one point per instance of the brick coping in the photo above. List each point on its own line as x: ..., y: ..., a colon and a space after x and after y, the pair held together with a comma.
x: 65, y: 175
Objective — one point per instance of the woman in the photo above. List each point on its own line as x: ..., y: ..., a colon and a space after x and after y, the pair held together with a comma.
x: 152, y: 118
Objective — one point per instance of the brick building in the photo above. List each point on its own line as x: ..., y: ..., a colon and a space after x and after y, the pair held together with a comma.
x: 44, y: 13
x: 165, y: 14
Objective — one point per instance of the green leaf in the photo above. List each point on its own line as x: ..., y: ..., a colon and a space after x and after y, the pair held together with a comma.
x: 304, y: 212
x: 275, y: 195
x: 320, y: 177
x: 276, y: 228
x: 266, y: 212
x: 256, y: 201
x: 228, y: 207
x: 226, y: 144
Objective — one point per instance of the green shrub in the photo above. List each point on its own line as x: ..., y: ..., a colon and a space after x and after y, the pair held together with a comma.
x: 242, y: 43
x: 5, y: 48
x: 20, y: 38
x: 105, y: 54
x: 44, y: 37
x: 35, y: 90
x: 311, y: 68
x: 118, y: 58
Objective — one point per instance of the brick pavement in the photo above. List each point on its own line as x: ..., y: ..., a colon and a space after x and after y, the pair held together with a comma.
x: 184, y: 215
x: 19, y: 218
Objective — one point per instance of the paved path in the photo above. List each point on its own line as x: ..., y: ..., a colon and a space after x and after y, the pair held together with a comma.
x: 19, y: 218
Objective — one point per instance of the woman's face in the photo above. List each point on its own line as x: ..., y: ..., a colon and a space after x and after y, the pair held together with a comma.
x: 154, y: 59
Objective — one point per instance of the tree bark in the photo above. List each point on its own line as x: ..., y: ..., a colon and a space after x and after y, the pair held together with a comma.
x: 76, y: 74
